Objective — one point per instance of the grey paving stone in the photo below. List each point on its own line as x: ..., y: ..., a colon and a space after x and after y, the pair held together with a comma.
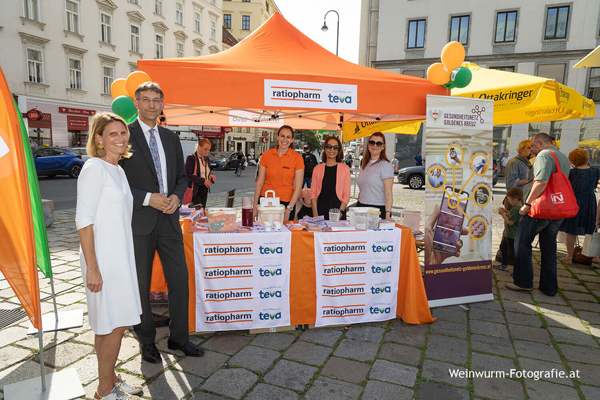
x: 172, y: 385
x: 226, y: 342
x: 536, y: 350
x: 539, y: 390
x: 489, y: 329
x: 10, y: 355
x: 590, y: 317
x: 148, y: 370
x: 557, y: 309
x: 13, y: 334
x: 346, y: 370
x: 376, y: 390
x: 324, y: 336
x: 588, y: 374
x: 439, y: 371
x: 542, y: 298
x: 484, y: 362
x: 579, y: 296
x: 65, y: 354
x: 308, y: 353
x: 488, y: 305
x: 255, y: 358
x: 446, y: 348
x: 402, y: 332
x: 449, y: 328
x: 523, y: 319
x: 51, y: 339
x: 492, y: 345
x: 452, y: 313
x: 524, y: 308
x: 233, y: 382
x: 590, y: 393
x: 290, y: 375
x: 486, y: 315
x: 529, y: 333
x: 325, y: 388
x: 205, y: 396
x: 436, y: 391
x: 22, y: 372
x: 400, y: 353
x: 365, y: 333
x: 203, y: 366
x: 564, y: 321
x: 516, y: 296
x: 574, y: 287
x: 581, y: 354
x: 262, y: 392
x: 584, y: 305
x: 130, y: 347
x: 498, y: 388
x: 395, y: 373
x: 357, y: 350
x: 528, y: 364
x: 275, y: 341
x: 87, y: 369
x: 572, y: 337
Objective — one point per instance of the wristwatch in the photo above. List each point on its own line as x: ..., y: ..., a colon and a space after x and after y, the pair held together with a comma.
x: 528, y: 205
x: 290, y: 208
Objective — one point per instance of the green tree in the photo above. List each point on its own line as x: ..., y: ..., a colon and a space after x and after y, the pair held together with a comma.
x: 310, y: 137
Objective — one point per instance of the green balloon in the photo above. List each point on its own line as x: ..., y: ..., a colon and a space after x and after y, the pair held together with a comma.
x: 448, y: 85
x: 461, y: 77
x: 124, y: 107
x: 130, y: 120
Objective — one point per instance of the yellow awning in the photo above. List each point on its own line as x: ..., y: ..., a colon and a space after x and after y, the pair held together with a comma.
x: 356, y: 130
x: 591, y: 60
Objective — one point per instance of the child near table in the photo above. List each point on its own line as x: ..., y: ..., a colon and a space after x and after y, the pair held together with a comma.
x: 512, y: 219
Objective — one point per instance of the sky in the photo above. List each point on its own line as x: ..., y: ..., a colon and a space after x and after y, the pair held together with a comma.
x: 307, y: 16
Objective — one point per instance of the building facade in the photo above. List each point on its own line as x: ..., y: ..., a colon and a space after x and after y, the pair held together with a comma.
x: 242, y: 17
x: 66, y: 54
x: 536, y: 37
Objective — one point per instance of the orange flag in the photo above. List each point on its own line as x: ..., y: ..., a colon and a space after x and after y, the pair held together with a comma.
x: 17, y: 241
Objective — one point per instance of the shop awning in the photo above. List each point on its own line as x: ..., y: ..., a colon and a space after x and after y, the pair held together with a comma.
x: 279, y: 76
x: 591, y: 60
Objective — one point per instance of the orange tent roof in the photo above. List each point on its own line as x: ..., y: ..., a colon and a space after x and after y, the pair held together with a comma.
x: 277, y: 75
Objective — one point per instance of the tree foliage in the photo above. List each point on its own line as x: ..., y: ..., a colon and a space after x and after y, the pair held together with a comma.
x: 310, y: 137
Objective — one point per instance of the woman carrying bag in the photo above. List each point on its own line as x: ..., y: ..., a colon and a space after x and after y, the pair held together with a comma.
x: 197, y: 169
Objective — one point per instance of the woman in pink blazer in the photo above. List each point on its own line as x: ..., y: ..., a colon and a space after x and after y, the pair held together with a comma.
x: 330, y: 180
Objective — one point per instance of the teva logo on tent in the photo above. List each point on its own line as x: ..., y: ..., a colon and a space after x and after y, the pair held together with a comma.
x: 268, y: 316
x: 269, y: 272
x: 557, y: 198
x: 381, y: 270
x: 270, y: 295
x: 270, y: 250
x: 332, y: 96
x: 383, y: 249
x: 227, y: 317
x: 377, y: 310
x: 381, y: 289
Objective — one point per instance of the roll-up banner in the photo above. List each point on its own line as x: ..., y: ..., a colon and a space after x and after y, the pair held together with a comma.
x: 458, y: 200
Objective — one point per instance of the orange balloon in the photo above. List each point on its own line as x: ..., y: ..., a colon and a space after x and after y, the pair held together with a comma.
x: 438, y: 74
x: 119, y: 88
x: 453, y: 55
x: 134, y: 80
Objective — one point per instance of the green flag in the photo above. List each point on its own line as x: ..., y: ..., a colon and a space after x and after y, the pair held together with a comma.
x: 37, y: 213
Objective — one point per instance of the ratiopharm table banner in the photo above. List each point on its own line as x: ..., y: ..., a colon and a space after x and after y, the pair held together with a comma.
x: 458, y: 200
x: 357, y: 276
x: 242, y: 280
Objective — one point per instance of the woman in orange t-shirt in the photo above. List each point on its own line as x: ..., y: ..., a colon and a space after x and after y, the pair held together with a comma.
x: 281, y: 169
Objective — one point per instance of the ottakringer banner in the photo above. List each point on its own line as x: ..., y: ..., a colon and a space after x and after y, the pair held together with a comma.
x: 458, y: 200
x: 242, y: 280
x: 357, y: 276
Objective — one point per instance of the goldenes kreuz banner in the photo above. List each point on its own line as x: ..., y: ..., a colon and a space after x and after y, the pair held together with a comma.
x: 242, y: 281
x: 357, y: 276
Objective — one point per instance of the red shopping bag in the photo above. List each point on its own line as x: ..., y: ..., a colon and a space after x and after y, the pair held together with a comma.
x: 558, y: 200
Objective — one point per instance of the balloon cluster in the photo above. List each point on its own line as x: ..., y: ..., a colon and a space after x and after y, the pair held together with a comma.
x: 449, y: 72
x: 123, y: 92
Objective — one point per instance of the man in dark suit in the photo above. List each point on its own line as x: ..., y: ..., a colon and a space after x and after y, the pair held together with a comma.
x: 157, y: 178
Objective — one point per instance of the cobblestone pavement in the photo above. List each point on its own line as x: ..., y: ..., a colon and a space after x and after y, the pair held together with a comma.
x: 391, y: 360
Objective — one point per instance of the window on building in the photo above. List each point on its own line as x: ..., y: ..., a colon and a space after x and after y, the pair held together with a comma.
x: 552, y: 71
x: 179, y: 49
x: 557, y: 20
x: 197, y: 52
x: 419, y: 73
x: 158, y: 7
x: 416, y: 34
x: 197, y: 21
x: 459, y: 29
x: 213, y: 29
x: 594, y: 85
x: 31, y: 9
x: 247, y: 130
x: 506, y: 23
x: 213, y: 2
x: 506, y: 69
x: 35, y: 66
x: 245, y: 22
x: 179, y: 13
x: 135, y: 38
x: 106, y: 26
x: 135, y: 2
x: 267, y: 5
x: 160, y: 46
x: 246, y: 1
x: 227, y: 21
x: 75, y: 74
x: 72, y: 8
x: 108, y: 77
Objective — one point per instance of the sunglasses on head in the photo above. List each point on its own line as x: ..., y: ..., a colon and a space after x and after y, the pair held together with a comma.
x: 376, y: 144
x: 332, y: 146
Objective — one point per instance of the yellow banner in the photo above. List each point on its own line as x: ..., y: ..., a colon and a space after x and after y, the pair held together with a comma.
x: 357, y: 130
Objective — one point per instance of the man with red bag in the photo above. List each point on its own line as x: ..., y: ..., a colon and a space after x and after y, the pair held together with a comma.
x: 542, y: 211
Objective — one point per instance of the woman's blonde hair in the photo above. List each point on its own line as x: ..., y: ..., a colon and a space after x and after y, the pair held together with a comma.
x: 202, y: 142
x: 98, y: 124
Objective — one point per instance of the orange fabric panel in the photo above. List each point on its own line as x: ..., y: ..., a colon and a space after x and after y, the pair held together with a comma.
x: 303, y: 281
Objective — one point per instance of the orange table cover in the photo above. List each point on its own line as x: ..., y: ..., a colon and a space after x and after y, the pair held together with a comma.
x: 412, y: 304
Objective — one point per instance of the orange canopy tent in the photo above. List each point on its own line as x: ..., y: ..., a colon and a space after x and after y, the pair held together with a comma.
x: 279, y: 76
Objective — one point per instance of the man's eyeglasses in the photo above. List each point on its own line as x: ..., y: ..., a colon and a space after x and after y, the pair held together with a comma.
x: 332, y: 146
x: 147, y: 101
x: 376, y: 144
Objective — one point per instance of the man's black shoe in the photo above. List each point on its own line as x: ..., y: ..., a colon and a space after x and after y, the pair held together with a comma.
x: 189, y: 348
x: 150, y: 353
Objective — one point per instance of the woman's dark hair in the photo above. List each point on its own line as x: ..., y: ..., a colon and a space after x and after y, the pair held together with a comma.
x: 282, y: 127
x: 338, y: 158
x: 367, y: 154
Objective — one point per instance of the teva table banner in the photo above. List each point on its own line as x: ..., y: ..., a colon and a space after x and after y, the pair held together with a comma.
x: 357, y: 276
x: 458, y: 200
x: 242, y: 280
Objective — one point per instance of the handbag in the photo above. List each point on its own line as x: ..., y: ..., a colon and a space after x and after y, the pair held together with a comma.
x: 591, y: 245
x: 578, y: 257
x: 558, y: 200
x: 189, y: 193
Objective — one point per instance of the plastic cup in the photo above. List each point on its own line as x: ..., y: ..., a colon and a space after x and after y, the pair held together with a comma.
x: 334, y: 216
x: 247, y: 211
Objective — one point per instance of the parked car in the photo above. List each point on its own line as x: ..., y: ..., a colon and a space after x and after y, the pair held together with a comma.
x: 52, y: 161
x: 82, y: 152
x: 224, y: 160
x: 415, y: 176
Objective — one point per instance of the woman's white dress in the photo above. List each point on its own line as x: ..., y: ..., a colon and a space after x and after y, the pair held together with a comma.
x: 104, y: 200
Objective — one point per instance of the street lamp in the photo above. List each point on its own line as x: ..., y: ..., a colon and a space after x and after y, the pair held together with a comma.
x: 325, y: 29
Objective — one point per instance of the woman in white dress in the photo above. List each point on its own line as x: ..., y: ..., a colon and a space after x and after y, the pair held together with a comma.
x: 104, y: 211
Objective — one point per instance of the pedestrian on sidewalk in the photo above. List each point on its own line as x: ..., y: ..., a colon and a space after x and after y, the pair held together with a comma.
x: 511, y: 219
x: 197, y: 169
x: 310, y: 162
x: 103, y: 219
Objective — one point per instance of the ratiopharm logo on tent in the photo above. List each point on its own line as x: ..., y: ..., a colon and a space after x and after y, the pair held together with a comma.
x: 310, y: 95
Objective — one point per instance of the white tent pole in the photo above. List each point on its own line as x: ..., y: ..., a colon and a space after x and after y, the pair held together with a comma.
x: 41, y: 343
x: 53, y: 299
